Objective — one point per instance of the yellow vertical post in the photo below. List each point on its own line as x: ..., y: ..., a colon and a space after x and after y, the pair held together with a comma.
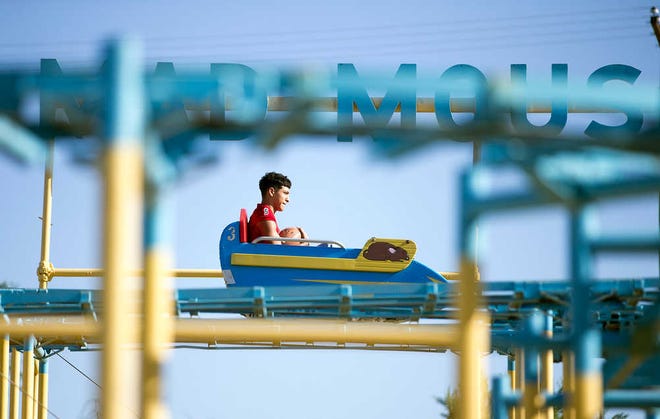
x: 532, y: 402
x: 568, y: 373
x: 157, y: 332
x: 546, y: 377
x: 122, y: 164
x: 15, y: 393
x: 4, y: 379
x: 588, y: 401
x: 473, y: 340
x: 519, y: 379
x: 35, y: 393
x: 28, y: 378
x: 43, y: 389
x: 45, y: 269
x: 511, y: 372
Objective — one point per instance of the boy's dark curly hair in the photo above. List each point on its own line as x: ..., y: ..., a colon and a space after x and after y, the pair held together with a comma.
x: 275, y: 180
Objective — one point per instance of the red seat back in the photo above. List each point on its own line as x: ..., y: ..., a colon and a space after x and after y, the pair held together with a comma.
x: 243, y: 226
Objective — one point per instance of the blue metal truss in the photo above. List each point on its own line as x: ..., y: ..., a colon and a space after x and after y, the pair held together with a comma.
x: 618, y: 306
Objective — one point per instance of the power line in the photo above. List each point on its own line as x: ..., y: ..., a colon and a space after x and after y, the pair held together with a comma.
x: 31, y: 396
x: 463, y: 44
x: 371, y: 50
x: 530, y: 20
x: 91, y: 380
x: 81, y: 372
x: 428, y: 40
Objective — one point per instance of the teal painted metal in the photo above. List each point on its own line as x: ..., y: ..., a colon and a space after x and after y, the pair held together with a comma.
x: 498, y: 406
x: 43, y: 366
x: 20, y: 143
x: 619, y: 305
x: 632, y: 398
x: 124, y: 110
x: 585, y: 335
x: 533, y: 329
x: 653, y: 413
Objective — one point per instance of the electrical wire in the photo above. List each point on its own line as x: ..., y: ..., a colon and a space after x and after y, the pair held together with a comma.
x: 316, y: 45
x: 81, y: 372
x: 31, y: 396
x: 91, y: 380
x: 537, y: 21
x: 402, y: 38
x: 531, y: 20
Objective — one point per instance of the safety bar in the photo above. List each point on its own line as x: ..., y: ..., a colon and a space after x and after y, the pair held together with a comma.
x: 292, y: 239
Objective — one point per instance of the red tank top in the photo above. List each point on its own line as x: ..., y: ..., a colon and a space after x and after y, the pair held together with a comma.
x: 261, y: 213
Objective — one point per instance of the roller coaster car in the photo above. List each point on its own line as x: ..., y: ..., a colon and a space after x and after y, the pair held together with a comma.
x: 380, y: 261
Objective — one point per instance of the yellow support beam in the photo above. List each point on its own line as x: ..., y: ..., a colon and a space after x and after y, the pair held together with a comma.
x: 123, y: 174
x: 43, y: 389
x: 174, y: 273
x: 301, y: 330
x: 157, y: 332
x: 511, y: 372
x: 28, y: 378
x: 546, y: 384
x: 4, y: 377
x: 588, y: 395
x: 44, y: 271
x: 261, y: 331
x: 122, y: 208
x: 15, y: 395
x: 631, y: 364
x: 531, y: 398
x: 568, y: 367
x: 36, y: 391
x: 423, y: 105
x: 473, y: 342
x: 519, y: 411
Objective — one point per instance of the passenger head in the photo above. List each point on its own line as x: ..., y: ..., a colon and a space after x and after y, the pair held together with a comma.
x: 275, y: 190
x: 273, y: 180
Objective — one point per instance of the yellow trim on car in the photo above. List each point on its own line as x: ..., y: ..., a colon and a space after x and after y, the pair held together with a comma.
x: 310, y: 262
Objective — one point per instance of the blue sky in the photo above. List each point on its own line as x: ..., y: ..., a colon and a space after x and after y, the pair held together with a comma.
x: 340, y: 190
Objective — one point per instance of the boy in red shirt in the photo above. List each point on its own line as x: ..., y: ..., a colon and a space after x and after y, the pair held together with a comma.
x: 275, y: 189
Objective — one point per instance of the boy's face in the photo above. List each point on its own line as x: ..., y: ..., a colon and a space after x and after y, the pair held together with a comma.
x: 279, y: 198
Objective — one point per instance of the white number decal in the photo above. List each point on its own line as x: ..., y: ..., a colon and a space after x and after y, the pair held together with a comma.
x: 232, y: 234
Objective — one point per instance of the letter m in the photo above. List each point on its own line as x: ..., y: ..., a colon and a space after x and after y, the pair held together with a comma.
x: 351, y: 90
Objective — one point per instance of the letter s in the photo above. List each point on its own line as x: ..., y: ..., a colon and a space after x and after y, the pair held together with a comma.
x: 635, y: 117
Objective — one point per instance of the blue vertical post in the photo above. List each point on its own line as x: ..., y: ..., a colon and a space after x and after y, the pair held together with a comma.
x: 498, y: 405
x: 653, y: 413
x: 533, y: 330
x: 588, y: 397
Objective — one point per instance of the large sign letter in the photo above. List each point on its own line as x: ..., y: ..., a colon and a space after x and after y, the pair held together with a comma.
x: 558, y: 111
x: 463, y: 78
x: 351, y: 91
x: 635, y: 120
x: 247, y: 99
